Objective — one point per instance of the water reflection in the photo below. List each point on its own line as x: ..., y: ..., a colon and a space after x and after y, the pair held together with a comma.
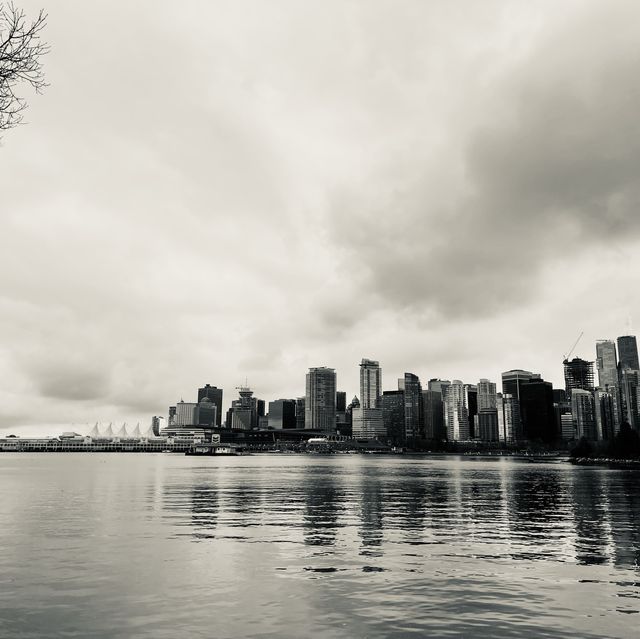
x: 515, y: 511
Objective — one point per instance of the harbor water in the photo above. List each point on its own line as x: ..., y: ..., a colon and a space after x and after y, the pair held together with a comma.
x: 163, y: 545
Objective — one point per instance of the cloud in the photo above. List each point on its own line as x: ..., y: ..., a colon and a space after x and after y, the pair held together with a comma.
x: 550, y: 164
x: 221, y: 191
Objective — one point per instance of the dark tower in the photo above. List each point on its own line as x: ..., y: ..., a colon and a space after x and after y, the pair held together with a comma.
x: 628, y: 352
x: 578, y: 374
x: 215, y: 395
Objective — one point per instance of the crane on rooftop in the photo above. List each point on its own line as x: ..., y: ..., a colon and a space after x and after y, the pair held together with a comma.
x: 573, y: 348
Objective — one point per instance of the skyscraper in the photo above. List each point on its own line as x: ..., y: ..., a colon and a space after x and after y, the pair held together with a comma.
x: 282, y: 414
x: 606, y: 423
x: 509, y: 427
x: 584, y: 414
x: 537, y: 413
x: 629, y: 397
x: 320, y: 400
x: 393, y: 416
x: 244, y: 411
x: 215, y: 395
x: 367, y: 420
x: 457, y: 415
x: 471, y: 404
x: 486, y: 395
x: 412, y: 389
x: 370, y: 383
x: 607, y: 364
x: 512, y: 381
x: 628, y: 352
x: 433, y: 415
x: 578, y: 375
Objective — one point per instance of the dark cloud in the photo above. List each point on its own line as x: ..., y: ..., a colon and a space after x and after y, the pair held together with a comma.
x: 551, y: 168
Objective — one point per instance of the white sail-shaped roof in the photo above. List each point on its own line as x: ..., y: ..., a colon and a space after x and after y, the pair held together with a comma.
x: 122, y: 433
x: 150, y: 434
x: 94, y: 431
x: 136, y: 431
x: 108, y: 432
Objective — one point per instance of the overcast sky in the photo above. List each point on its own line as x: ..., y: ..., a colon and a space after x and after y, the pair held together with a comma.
x: 211, y: 191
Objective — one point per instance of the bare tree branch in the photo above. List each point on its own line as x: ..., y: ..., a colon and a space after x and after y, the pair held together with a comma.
x: 21, y: 52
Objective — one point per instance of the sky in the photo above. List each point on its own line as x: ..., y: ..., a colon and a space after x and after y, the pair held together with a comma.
x: 214, y: 192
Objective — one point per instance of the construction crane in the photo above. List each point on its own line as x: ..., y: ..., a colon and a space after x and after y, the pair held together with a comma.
x: 568, y: 355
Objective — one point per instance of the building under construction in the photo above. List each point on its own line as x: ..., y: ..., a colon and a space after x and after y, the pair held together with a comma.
x: 578, y: 374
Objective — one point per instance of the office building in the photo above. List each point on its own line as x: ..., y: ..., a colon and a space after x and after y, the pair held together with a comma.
x: 486, y: 395
x: 606, y: 423
x: 628, y: 352
x: 537, y: 413
x: 584, y: 414
x: 412, y: 389
x: 368, y: 423
x: 393, y: 416
x: 186, y: 414
x: 370, y: 383
x: 509, y: 425
x: 512, y: 381
x: 300, y: 413
x: 433, y: 415
x: 607, y: 364
x: 207, y: 413
x: 486, y: 425
x: 457, y: 416
x: 471, y: 404
x: 214, y: 394
x: 367, y: 419
x: 282, y: 414
x: 320, y: 400
x: 341, y: 402
x: 629, y: 399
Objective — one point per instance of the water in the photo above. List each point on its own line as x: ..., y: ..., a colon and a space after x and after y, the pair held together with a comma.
x: 170, y: 546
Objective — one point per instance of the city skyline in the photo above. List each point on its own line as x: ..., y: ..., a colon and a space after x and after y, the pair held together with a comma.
x: 449, y: 189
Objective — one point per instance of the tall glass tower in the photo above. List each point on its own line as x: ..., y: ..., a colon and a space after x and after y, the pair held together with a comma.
x: 628, y: 352
x: 320, y: 400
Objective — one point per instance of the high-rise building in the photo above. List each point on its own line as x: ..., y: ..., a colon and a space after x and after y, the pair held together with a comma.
x: 486, y: 425
x: 215, y: 395
x: 578, y: 375
x: 320, y: 401
x: 537, y: 413
x: 584, y: 414
x: 207, y: 413
x: 368, y: 423
x: 370, y: 383
x: 433, y: 415
x: 412, y: 389
x: 393, y: 416
x: 457, y: 415
x: 606, y: 423
x: 607, y: 363
x: 471, y: 404
x: 186, y: 414
x: 367, y: 420
x: 341, y: 402
x: 629, y: 397
x: 486, y: 394
x: 628, y: 352
x: 512, y: 381
x: 509, y: 425
x: 300, y: 413
x: 243, y: 414
x: 172, y: 416
x: 282, y: 414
